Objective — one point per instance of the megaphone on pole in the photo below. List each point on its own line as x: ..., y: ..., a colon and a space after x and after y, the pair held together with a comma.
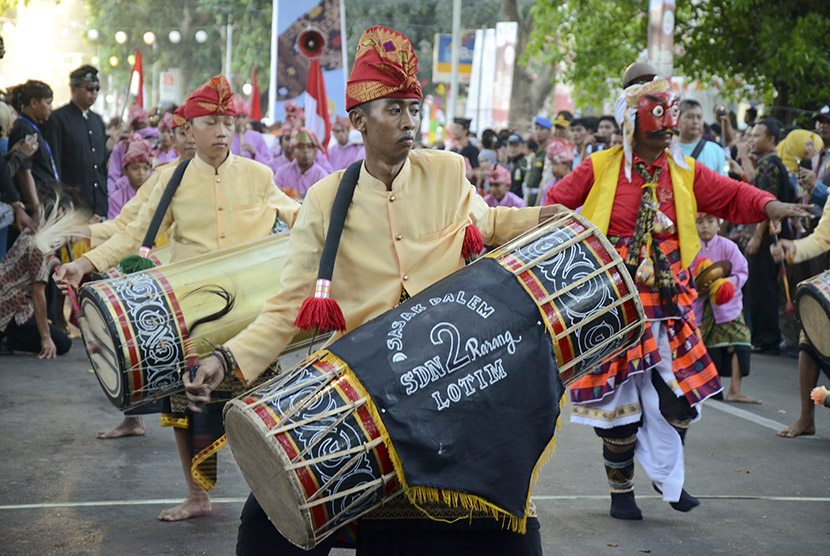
x: 311, y: 42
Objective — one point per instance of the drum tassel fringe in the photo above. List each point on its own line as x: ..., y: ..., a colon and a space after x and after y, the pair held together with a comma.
x: 454, y: 499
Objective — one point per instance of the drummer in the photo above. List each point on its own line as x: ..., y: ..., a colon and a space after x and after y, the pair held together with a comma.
x: 238, y: 204
x: 809, y: 362
x: 645, y: 197
x: 133, y: 424
x: 411, y: 213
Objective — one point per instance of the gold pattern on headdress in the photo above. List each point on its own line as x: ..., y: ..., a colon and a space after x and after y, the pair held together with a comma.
x: 225, y: 102
x: 394, y: 50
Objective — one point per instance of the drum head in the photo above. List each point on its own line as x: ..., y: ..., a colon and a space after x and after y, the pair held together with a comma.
x: 266, y: 469
x: 103, y: 349
x: 816, y: 323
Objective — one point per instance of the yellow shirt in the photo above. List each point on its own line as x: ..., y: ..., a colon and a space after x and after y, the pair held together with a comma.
x: 102, y: 231
x: 212, y: 209
x: 408, y: 237
x: 816, y: 243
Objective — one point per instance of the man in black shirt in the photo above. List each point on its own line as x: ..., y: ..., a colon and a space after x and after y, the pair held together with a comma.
x: 79, y: 140
x: 36, y: 175
x: 460, y: 128
x: 516, y: 163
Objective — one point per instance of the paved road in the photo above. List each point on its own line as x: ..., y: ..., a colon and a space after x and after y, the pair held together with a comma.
x: 64, y: 492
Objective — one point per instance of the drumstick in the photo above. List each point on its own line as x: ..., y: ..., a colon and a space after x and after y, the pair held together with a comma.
x: 73, y: 301
x: 790, y: 305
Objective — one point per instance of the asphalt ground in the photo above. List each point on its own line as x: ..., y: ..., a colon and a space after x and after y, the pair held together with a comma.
x: 64, y: 492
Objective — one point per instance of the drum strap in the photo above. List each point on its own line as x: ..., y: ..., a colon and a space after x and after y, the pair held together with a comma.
x: 161, y: 209
x: 320, y: 311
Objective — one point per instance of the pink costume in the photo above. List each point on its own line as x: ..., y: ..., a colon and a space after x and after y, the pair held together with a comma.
x: 294, y: 183
x: 119, y: 197
x: 340, y: 156
x: 719, y: 249
x: 254, y: 139
x: 509, y: 200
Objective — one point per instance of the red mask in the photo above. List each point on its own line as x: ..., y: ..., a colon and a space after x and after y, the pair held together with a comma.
x: 658, y: 112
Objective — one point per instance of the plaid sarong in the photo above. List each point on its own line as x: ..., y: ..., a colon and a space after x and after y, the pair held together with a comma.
x: 696, y: 375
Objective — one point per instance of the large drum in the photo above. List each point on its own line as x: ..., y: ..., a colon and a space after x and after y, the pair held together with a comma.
x: 309, y: 443
x: 142, y: 330
x: 812, y: 301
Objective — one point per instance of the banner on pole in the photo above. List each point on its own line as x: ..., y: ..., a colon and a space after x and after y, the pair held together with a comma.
x: 442, y: 57
x: 293, y: 68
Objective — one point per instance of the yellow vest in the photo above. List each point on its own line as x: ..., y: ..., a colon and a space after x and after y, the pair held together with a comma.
x: 600, y: 201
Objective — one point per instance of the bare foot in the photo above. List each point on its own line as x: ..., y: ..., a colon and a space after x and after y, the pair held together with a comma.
x: 190, y: 508
x: 740, y: 397
x: 130, y: 426
x: 798, y: 428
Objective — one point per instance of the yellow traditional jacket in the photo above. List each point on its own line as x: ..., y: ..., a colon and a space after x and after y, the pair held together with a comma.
x: 212, y: 209
x: 816, y: 243
x: 409, y: 237
x: 102, y: 231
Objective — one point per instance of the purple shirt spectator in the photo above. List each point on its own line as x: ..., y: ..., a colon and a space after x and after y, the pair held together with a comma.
x: 119, y: 196
x: 165, y: 157
x: 254, y: 139
x: 294, y: 183
x: 117, y: 156
x: 719, y: 249
x: 509, y: 200
x: 341, y: 156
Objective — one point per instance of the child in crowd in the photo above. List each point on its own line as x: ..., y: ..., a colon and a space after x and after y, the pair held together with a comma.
x: 560, y: 153
x: 137, y: 167
x: 719, y: 314
x: 166, y: 150
x: 499, y: 180
x: 24, y: 274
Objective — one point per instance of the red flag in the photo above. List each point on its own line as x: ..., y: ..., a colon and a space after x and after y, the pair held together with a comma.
x: 139, y: 71
x: 317, y: 104
x: 256, y: 109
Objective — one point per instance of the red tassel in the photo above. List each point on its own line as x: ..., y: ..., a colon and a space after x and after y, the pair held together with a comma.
x: 473, y: 242
x: 320, y: 313
x: 725, y: 292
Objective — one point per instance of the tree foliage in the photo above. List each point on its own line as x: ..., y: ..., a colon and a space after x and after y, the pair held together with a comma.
x: 774, y: 48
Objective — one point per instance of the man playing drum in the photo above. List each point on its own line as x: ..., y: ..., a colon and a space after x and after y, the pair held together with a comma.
x: 223, y: 200
x: 643, y: 400
x: 411, y: 213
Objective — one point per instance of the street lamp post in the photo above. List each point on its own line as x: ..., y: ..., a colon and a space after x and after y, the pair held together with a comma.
x: 150, y: 40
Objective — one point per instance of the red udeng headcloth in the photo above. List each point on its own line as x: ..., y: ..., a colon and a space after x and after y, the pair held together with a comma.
x: 385, y: 66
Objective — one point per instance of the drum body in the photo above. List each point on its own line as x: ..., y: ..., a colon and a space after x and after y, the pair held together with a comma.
x: 583, y: 290
x: 138, y: 329
x: 310, y: 451
x: 812, y: 302
x: 307, y: 445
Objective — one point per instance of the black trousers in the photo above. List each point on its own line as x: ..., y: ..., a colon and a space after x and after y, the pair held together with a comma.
x: 25, y: 337
x: 258, y: 536
x: 762, y: 287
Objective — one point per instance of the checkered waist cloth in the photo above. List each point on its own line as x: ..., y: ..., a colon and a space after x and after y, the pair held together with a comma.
x: 696, y: 375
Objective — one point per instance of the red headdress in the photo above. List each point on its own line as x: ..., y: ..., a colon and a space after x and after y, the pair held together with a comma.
x: 178, y: 117
x: 385, y: 66
x: 138, y: 150
x: 213, y: 98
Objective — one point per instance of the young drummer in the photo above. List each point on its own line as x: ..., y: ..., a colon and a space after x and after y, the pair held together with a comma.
x: 404, y: 230
x: 222, y: 200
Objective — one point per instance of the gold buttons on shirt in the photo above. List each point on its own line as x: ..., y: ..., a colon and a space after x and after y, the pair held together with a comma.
x: 222, y: 236
x: 405, y: 277
x: 219, y: 207
x: 392, y: 199
x: 399, y: 237
x: 218, y: 180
